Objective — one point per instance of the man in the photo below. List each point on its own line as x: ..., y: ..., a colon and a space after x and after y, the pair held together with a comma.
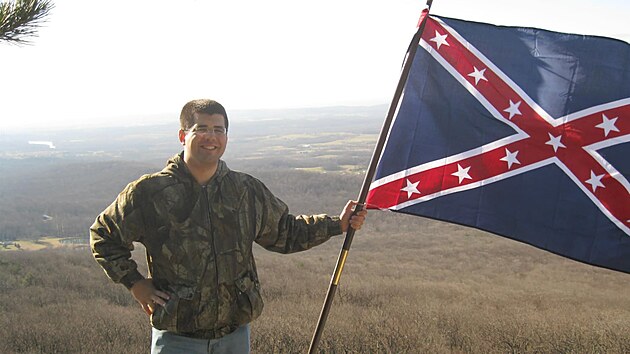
x: 198, y: 220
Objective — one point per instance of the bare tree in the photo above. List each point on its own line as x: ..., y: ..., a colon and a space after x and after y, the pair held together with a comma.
x: 20, y: 19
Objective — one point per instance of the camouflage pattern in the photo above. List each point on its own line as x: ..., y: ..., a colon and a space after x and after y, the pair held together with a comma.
x: 198, y: 243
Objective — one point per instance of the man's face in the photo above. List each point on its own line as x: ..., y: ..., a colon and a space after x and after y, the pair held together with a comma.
x: 205, y: 142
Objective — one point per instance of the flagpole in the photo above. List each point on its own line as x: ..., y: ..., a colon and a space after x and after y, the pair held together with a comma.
x: 369, y: 176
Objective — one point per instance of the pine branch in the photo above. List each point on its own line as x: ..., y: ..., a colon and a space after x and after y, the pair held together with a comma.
x: 20, y: 19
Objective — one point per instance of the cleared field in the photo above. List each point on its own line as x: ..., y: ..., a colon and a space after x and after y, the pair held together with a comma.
x: 44, y: 243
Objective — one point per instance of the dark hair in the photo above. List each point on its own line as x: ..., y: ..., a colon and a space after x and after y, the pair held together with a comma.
x: 187, y: 117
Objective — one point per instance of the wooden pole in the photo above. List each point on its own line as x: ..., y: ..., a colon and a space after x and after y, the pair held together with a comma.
x: 369, y: 176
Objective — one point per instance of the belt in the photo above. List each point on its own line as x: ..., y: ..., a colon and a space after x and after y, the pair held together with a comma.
x: 210, y: 333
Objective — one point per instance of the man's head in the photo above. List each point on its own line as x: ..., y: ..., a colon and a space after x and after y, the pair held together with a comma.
x: 187, y: 116
x: 203, y: 134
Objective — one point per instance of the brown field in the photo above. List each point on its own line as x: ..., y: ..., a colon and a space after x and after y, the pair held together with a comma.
x: 427, y: 287
x: 44, y: 243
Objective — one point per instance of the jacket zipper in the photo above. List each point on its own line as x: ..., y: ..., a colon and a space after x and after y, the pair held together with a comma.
x: 214, y: 249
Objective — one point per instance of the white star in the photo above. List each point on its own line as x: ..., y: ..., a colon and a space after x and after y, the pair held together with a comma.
x: 462, y: 173
x: 411, y: 188
x: 595, y: 181
x: 513, y: 109
x: 478, y: 75
x: 607, y: 124
x: 555, y: 142
x: 439, y: 39
x: 510, y: 158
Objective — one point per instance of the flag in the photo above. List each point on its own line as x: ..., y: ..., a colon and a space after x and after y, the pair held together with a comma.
x: 521, y: 132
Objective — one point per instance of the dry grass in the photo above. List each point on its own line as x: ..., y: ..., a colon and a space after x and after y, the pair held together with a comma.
x: 429, y: 287
x: 439, y: 288
x: 38, y: 245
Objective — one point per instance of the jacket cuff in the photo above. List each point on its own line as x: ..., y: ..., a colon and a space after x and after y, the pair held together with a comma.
x: 131, y: 278
x: 335, y: 227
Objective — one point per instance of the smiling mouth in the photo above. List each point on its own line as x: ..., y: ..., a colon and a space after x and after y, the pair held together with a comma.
x: 209, y: 148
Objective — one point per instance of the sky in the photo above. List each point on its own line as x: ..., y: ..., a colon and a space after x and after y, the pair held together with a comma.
x: 97, y: 63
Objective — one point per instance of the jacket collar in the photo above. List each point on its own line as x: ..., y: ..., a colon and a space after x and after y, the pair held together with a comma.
x: 177, y: 167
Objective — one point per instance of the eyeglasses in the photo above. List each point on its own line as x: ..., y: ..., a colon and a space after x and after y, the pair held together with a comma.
x: 205, y: 130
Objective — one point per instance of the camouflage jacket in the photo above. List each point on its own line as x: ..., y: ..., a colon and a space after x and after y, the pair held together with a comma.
x: 198, y: 242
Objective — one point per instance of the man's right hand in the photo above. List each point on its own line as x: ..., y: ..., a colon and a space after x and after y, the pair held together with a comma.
x: 148, y: 296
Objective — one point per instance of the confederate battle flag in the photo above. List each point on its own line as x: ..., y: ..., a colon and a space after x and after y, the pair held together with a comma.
x: 518, y: 131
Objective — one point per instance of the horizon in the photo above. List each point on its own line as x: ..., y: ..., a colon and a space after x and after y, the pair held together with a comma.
x: 162, y: 119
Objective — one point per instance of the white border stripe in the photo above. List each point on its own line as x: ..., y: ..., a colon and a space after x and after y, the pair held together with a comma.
x: 473, y: 91
x: 592, y: 197
x: 612, y: 171
x: 480, y: 183
x: 447, y: 160
x: 594, y: 109
x: 498, y: 72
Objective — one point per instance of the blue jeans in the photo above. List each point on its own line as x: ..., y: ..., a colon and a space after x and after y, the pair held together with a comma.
x: 237, y: 342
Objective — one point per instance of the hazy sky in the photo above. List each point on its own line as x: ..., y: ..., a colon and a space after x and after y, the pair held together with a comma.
x: 102, y: 62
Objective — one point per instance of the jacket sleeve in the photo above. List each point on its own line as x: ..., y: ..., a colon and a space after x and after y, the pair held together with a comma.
x: 112, y: 236
x: 279, y: 231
